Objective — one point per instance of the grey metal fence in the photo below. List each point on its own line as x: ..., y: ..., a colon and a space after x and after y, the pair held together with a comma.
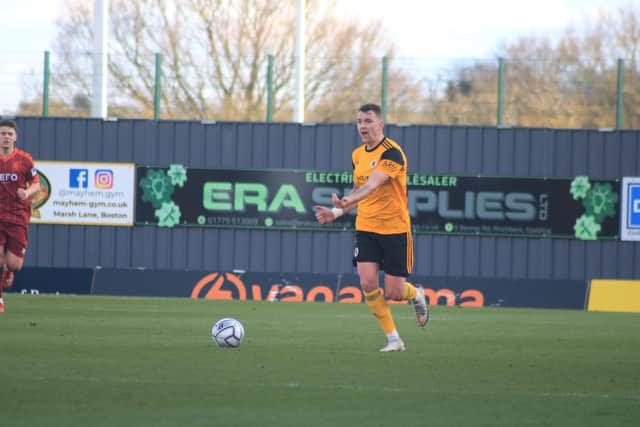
x: 489, y: 151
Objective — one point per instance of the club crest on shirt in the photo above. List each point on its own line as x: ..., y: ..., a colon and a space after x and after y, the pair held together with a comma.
x: 373, y: 163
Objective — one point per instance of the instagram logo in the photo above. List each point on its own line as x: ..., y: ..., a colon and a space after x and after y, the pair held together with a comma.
x: 103, y: 179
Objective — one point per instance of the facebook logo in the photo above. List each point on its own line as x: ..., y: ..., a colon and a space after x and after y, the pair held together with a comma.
x: 634, y: 206
x: 78, y: 178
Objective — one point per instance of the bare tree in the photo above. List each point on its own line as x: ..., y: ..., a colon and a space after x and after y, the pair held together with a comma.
x: 567, y: 83
x: 215, y: 55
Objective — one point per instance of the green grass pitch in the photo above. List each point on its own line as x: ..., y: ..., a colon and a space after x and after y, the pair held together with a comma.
x: 102, y: 361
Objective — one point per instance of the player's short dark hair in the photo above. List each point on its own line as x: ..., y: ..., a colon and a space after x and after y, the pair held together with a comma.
x: 365, y: 108
x: 8, y: 123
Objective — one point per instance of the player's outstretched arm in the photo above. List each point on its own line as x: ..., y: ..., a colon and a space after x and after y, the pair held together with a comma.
x: 325, y: 215
x: 376, y: 179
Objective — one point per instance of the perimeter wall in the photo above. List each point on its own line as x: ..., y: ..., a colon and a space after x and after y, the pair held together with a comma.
x: 487, y: 151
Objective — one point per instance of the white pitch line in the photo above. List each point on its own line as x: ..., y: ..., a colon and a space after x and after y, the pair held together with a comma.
x: 364, y: 388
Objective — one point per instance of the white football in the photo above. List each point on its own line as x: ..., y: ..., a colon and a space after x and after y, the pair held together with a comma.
x: 227, y: 333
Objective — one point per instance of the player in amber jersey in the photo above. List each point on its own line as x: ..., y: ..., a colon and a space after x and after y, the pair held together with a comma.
x: 383, y: 225
x: 18, y: 184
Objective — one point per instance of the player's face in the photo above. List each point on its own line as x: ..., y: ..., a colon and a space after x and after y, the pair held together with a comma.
x: 369, y: 127
x: 7, y: 138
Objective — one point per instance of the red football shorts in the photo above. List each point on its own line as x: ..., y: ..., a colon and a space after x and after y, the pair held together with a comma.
x: 14, y: 238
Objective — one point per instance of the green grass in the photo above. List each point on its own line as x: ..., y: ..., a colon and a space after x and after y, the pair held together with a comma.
x: 99, y: 361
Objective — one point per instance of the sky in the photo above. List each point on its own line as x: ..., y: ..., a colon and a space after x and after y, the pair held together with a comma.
x: 426, y: 29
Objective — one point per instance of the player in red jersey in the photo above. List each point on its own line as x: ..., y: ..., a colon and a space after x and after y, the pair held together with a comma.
x: 18, y: 184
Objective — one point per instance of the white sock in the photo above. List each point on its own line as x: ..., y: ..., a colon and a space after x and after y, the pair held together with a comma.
x: 1, y: 301
x: 393, y: 336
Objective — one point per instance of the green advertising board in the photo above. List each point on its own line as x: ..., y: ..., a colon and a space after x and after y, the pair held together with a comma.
x: 579, y: 207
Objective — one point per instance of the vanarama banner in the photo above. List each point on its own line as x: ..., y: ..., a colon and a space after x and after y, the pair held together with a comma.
x: 84, y: 193
x: 581, y: 207
x: 334, y: 288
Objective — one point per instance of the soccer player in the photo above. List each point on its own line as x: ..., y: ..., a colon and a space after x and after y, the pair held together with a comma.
x: 18, y: 184
x: 383, y: 226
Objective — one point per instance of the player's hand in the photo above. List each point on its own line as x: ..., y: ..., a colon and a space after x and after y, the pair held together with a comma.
x: 22, y: 194
x: 324, y: 215
x: 341, y: 203
x: 336, y: 201
x: 346, y: 201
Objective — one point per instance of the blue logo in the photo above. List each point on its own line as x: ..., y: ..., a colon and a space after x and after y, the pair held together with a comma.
x: 634, y: 206
x: 78, y: 178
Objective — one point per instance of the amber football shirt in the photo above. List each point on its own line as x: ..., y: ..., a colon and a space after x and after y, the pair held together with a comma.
x: 16, y: 171
x: 385, y: 210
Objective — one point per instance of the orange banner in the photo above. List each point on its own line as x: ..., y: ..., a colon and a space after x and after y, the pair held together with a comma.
x: 227, y: 285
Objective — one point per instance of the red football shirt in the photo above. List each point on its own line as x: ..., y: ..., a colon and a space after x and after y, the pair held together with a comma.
x: 16, y: 171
